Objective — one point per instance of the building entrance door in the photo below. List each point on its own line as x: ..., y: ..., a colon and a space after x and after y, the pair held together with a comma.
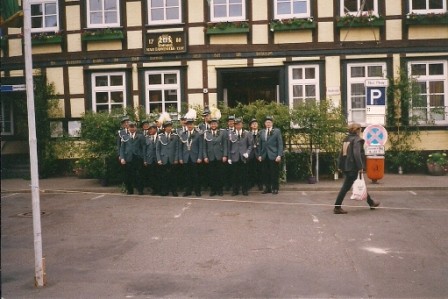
x: 249, y: 85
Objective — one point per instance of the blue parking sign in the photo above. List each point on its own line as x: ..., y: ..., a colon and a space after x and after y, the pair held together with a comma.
x: 376, y: 95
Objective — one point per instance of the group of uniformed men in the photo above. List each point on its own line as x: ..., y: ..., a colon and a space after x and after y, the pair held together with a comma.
x: 195, y: 157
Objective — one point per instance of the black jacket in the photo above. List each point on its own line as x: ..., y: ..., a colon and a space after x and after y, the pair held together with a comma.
x: 352, y: 156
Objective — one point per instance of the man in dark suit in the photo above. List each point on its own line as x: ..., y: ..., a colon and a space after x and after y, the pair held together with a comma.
x: 227, y: 168
x: 271, y: 152
x: 255, y: 169
x: 131, y: 156
x: 206, y: 124
x: 167, y: 153
x: 215, y: 156
x: 203, y: 168
x: 190, y: 156
x: 122, y: 132
x: 150, y: 159
x: 240, y: 146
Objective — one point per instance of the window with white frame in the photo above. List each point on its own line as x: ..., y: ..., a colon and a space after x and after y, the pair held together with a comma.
x: 162, y: 91
x: 103, y: 13
x: 359, y: 7
x: 44, y: 15
x: 164, y: 12
x: 288, y: 9
x: 227, y: 10
x: 427, y: 6
x: 357, y: 74
x: 431, y: 105
x: 6, y: 120
x: 108, y: 91
x: 303, y: 84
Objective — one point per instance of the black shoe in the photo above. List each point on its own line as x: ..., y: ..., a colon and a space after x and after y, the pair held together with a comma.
x: 235, y: 193
x: 266, y: 191
x: 213, y: 193
x: 154, y: 193
x: 220, y: 193
x: 245, y: 193
x: 130, y: 192
x: 175, y: 194
x: 164, y: 194
x: 187, y: 194
x: 260, y: 187
x: 374, y: 204
x: 198, y: 194
x: 274, y: 191
x: 339, y: 210
x: 140, y: 192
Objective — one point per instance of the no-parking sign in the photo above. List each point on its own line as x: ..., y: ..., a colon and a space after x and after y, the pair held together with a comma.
x: 375, y: 135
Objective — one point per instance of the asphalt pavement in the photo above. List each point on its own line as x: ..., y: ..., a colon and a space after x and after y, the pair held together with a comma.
x: 100, y: 243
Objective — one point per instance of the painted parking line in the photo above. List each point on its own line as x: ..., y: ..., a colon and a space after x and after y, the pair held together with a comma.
x: 9, y: 195
x: 258, y: 202
x: 98, y: 197
x: 412, y: 192
x: 186, y: 207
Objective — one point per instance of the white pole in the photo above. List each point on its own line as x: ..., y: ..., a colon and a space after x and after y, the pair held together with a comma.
x: 38, y: 262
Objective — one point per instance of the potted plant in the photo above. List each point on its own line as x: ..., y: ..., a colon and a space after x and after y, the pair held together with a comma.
x: 437, y: 163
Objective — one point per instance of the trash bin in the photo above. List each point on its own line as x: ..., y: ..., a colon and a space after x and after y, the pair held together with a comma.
x: 375, y: 167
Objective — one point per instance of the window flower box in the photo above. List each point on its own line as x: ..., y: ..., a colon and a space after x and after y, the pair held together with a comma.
x: 292, y: 24
x: 365, y: 20
x: 227, y: 28
x: 427, y: 19
x: 102, y: 35
x: 46, y: 38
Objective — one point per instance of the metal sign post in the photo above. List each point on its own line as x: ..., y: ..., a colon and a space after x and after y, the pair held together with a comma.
x: 38, y: 262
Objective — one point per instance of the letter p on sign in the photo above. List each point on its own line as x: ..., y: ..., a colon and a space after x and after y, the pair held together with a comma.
x: 376, y: 95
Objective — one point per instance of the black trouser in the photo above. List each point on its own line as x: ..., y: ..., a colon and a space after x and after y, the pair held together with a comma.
x: 215, y: 174
x: 153, y: 177
x: 192, y: 172
x: 270, y: 174
x: 168, y: 178
x: 349, y: 179
x: 240, y: 173
x: 134, y: 175
x: 255, y: 172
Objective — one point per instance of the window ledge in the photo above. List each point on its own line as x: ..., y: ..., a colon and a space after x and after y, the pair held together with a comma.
x: 48, y: 40
x: 227, y: 27
x: 427, y: 20
x: 102, y: 36
x: 360, y: 23
x: 229, y: 30
x: 277, y: 26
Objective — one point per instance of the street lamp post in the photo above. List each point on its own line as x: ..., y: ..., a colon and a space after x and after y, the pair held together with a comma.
x: 38, y: 261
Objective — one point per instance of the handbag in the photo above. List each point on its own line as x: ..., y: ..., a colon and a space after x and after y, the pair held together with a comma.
x: 359, y: 188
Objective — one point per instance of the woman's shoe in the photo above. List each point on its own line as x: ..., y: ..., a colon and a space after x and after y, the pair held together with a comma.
x: 339, y: 210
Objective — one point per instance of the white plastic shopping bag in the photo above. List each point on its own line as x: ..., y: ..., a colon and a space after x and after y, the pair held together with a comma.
x: 359, y: 188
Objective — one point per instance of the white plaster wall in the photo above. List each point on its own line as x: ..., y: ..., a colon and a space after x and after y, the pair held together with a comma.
x: 56, y: 75
x: 76, y: 80
x: 325, y: 31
